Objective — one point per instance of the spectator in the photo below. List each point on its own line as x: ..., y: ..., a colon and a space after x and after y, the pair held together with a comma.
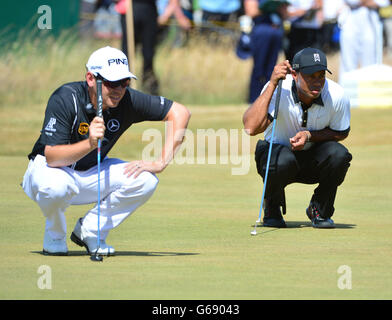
x: 388, y: 28
x: 265, y: 40
x: 107, y: 21
x: 187, y: 7
x: 145, y: 23
x: 306, y: 20
x: 174, y: 8
x: 329, y: 38
x: 361, y: 39
x: 219, y: 13
x: 182, y: 10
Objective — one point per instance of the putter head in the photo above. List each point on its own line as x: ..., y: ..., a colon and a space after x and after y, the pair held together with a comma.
x: 253, y: 233
x: 96, y: 257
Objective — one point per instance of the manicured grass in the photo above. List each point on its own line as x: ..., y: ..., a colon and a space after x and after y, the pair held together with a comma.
x: 192, y: 239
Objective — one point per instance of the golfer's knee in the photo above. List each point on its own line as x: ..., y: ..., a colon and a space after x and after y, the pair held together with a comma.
x: 145, y: 185
x: 150, y: 183
x: 338, y: 155
x: 283, y: 163
x: 287, y: 166
x: 55, y: 194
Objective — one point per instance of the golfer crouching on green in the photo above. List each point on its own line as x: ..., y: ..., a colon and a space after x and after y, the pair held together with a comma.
x: 314, y: 114
x: 63, y: 163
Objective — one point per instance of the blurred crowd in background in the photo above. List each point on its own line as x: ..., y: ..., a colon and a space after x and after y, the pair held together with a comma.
x: 360, y: 30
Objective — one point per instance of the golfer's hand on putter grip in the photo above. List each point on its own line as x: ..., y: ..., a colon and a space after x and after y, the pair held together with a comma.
x: 96, y: 131
x: 280, y: 72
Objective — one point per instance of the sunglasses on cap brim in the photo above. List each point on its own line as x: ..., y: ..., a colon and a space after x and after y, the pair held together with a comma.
x: 114, y: 84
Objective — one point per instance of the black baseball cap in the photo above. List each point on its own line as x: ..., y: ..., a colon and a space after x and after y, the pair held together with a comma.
x: 310, y: 60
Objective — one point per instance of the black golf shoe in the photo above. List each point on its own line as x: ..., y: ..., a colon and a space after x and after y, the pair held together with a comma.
x: 274, y: 222
x: 83, y: 238
x: 272, y: 215
x: 317, y: 220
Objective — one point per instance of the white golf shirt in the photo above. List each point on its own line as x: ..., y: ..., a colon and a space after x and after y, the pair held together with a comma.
x: 330, y: 110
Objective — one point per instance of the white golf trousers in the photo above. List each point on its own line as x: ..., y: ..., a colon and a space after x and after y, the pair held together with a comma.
x: 55, y: 189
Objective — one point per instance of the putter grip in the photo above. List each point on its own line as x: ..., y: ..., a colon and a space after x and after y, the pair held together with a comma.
x: 99, y: 98
x: 278, y: 99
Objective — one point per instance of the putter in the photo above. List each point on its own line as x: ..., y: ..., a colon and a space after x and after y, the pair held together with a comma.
x: 95, y: 256
x: 254, y: 232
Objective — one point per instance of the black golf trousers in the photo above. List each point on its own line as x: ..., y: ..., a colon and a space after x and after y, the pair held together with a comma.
x: 325, y: 163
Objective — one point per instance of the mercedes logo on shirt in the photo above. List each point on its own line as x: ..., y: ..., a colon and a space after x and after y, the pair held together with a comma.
x: 113, y: 125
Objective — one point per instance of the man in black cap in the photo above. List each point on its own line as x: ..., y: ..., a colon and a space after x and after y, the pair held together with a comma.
x: 314, y: 114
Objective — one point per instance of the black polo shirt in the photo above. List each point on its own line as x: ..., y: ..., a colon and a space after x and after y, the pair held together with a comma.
x: 69, y: 113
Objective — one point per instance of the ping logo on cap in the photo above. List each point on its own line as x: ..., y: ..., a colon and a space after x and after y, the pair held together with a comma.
x: 316, y: 57
x: 111, y: 63
x: 118, y: 61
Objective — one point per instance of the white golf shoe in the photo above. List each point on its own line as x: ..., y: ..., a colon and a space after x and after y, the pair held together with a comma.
x: 54, y: 247
x: 83, y: 239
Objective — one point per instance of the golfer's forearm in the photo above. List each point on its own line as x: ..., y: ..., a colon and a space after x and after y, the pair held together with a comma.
x: 176, y: 124
x: 255, y: 119
x: 327, y: 135
x: 65, y: 155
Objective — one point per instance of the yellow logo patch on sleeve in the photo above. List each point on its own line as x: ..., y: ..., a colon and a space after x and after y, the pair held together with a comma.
x: 83, y: 128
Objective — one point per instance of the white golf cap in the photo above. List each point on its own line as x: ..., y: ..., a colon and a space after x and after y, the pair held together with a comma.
x: 110, y: 63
